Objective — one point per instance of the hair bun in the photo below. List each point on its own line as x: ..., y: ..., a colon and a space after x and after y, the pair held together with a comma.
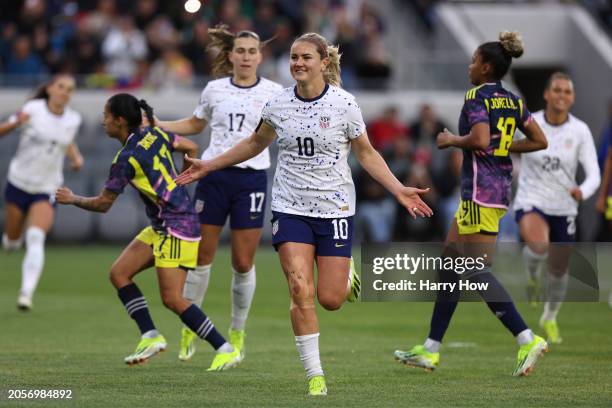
x: 512, y: 43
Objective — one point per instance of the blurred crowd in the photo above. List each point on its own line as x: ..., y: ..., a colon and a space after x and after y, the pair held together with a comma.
x: 134, y: 43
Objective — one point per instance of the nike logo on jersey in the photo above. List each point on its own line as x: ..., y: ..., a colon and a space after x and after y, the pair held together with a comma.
x: 254, y: 217
x: 282, y: 119
x: 339, y: 245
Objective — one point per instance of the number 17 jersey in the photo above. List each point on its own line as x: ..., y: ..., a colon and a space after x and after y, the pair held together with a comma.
x: 486, y: 175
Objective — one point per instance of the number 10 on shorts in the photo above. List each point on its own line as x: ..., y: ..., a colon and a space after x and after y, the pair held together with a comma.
x: 340, y: 228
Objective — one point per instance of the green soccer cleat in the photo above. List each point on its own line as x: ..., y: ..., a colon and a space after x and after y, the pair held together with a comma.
x: 533, y: 291
x: 236, y: 339
x: 187, y: 346
x: 355, y: 284
x: 146, y: 349
x: 419, y: 357
x: 316, y: 386
x: 528, y: 355
x: 224, y: 361
x: 551, y: 328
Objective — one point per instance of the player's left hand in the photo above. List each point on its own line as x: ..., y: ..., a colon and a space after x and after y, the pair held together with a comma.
x: 443, y: 140
x: 410, y: 197
x: 197, y: 170
x: 64, y: 195
x: 576, y: 194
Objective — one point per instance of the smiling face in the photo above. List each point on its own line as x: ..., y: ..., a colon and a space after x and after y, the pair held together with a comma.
x: 60, y: 90
x: 559, y: 96
x: 305, y: 62
x: 245, y: 56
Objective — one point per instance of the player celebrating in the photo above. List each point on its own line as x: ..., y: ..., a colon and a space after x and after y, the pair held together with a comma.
x: 487, y: 124
x: 170, y: 243
x: 547, y: 198
x: 49, y: 127
x: 313, y: 196
x: 232, y: 105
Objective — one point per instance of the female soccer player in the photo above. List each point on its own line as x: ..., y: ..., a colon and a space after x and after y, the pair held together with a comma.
x: 232, y: 106
x: 487, y: 123
x: 170, y: 243
x: 313, y: 196
x: 49, y: 127
x: 547, y: 198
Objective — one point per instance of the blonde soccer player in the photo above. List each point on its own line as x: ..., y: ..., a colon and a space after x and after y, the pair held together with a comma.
x: 231, y: 106
x: 48, y: 130
x: 316, y: 124
x: 547, y: 198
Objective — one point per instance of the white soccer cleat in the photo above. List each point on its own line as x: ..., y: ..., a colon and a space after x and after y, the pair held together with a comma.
x: 24, y: 303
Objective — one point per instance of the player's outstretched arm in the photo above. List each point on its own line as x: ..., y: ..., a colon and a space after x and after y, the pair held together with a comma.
x: 101, y: 203
x: 13, y: 122
x: 186, y: 126
x: 376, y: 166
x: 536, y: 140
x: 478, y: 138
x: 246, y: 149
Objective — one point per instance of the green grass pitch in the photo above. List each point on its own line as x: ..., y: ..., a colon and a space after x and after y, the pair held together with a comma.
x: 78, y: 333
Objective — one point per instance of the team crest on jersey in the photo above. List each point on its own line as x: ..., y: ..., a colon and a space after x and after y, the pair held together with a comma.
x: 199, y: 206
x: 324, y: 122
x: 569, y: 143
x: 275, y: 227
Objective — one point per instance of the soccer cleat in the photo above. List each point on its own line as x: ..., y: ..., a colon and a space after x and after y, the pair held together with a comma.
x: 528, y: 355
x: 223, y: 361
x: 355, y: 284
x: 316, y: 386
x: 24, y: 303
x: 418, y: 356
x: 187, y: 346
x: 146, y: 349
x: 533, y: 291
x: 551, y: 329
x: 236, y: 339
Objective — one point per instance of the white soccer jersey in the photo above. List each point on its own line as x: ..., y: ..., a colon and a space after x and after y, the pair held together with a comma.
x: 547, y: 176
x: 312, y: 176
x: 37, y: 166
x: 233, y: 112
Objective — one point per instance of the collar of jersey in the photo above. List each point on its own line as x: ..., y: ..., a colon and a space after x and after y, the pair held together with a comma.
x: 316, y: 98
x: 244, y: 87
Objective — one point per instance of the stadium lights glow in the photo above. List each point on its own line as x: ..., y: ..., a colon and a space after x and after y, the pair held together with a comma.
x: 192, y: 6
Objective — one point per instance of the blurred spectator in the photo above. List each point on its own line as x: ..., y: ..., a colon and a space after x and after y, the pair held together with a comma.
x: 427, y: 126
x: 383, y: 130
x: 374, y: 67
x: 195, y: 48
x: 99, y: 22
x: 22, y: 61
x: 172, y: 70
x: 146, y: 12
x: 376, y: 210
x: 124, y: 47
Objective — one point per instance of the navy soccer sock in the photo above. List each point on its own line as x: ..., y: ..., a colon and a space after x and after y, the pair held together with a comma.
x: 136, y: 306
x: 199, y: 323
x: 446, y: 303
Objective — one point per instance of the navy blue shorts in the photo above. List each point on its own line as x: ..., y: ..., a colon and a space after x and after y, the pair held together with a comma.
x: 234, y: 192
x: 330, y: 236
x: 562, y: 228
x: 24, y: 200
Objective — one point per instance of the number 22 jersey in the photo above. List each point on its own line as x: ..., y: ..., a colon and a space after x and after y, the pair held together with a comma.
x: 486, y: 175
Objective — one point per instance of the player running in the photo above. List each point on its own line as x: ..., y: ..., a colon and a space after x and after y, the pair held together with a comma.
x: 232, y: 106
x: 170, y: 243
x: 488, y: 120
x: 313, y: 196
x: 547, y: 198
x: 48, y: 129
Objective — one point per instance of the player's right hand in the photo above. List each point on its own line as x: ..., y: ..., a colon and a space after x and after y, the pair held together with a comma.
x: 64, y: 195
x: 197, y: 170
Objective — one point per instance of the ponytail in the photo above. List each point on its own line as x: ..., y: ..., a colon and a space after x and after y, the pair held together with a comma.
x: 148, y: 110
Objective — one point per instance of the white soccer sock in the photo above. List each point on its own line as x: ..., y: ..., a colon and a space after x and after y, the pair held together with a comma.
x: 225, y: 348
x: 557, y: 286
x: 432, y: 346
x: 196, y: 284
x: 308, y: 347
x: 243, y: 290
x: 33, y: 262
x: 151, y: 334
x: 11, y: 245
x: 524, y: 337
x: 533, y: 262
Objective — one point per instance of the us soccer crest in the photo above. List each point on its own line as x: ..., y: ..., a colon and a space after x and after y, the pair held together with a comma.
x: 199, y: 206
x: 324, y: 122
x: 275, y: 227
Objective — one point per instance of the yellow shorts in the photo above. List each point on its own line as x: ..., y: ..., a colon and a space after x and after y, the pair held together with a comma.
x: 608, y: 213
x: 476, y: 219
x: 169, y: 251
